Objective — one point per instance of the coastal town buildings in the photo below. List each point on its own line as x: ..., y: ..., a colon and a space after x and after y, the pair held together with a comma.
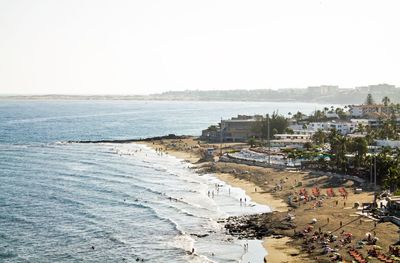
x: 359, y: 118
x: 323, y: 89
x: 377, y: 88
x: 369, y: 110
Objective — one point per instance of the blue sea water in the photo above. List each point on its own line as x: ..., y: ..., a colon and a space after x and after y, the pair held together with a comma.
x: 60, y: 200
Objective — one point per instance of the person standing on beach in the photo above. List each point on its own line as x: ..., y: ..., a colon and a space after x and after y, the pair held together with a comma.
x: 240, y: 201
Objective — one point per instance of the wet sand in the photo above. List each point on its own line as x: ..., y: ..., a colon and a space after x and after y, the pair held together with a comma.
x: 276, y: 248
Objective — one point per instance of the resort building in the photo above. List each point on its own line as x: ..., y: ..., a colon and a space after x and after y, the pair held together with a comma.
x: 357, y: 122
x: 388, y: 143
x: 290, y: 140
x: 368, y: 110
x: 239, y: 129
x: 236, y: 129
x: 315, y: 126
x: 286, y: 136
x: 211, y: 134
x: 378, y: 122
x: 343, y: 128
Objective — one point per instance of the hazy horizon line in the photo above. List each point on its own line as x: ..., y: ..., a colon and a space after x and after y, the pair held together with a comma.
x: 186, y: 90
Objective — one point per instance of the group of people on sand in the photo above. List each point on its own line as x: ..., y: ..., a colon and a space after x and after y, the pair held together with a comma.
x: 211, y: 193
x: 160, y: 151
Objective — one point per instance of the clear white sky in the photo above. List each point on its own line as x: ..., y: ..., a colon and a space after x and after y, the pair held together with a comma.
x: 146, y: 46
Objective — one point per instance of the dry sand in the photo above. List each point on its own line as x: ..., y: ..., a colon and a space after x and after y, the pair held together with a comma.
x: 255, y: 192
x: 280, y: 250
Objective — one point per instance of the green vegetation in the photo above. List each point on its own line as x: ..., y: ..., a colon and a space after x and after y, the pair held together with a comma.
x: 369, y: 100
x: 277, y: 124
x: 385, y: 101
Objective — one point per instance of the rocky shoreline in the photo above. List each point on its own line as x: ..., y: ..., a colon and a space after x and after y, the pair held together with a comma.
x: 149, y: 139
x: 258, y: 226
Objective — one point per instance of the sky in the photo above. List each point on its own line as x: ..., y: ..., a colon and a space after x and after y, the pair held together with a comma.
x: 145, y: 47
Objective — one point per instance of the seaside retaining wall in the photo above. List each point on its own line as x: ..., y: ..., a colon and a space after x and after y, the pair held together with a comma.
x: 230, y: 159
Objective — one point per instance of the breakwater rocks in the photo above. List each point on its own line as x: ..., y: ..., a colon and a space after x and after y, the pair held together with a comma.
x: 258, y: 226
x: 169, y: 136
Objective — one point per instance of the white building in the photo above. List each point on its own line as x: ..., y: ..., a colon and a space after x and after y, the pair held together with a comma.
x: 365, y: 110
x: 363, y: 122
x: 285, y: 136
x: 315, y: 126
x: 332, y: 115
x: 388, y: 143
x: 290, y: 140
x: 343, y: 127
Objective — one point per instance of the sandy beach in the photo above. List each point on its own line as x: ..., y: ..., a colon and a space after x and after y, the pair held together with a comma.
x: 277, y: 249
x: 335, y: 215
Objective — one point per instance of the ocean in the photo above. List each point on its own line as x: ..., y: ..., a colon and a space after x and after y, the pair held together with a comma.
x: 71, y: 202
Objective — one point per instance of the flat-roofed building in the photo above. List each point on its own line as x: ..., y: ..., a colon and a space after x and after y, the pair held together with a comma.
x: 239, y: 129
x: 366, y: 110
x: 285, y: 140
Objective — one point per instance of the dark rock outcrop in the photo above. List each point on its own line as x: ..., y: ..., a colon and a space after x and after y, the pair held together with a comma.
x: 257, y: 226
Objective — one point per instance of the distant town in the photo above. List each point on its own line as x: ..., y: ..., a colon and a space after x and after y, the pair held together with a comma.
x: 321, y: 94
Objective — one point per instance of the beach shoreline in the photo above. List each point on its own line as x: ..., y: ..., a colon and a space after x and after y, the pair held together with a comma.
x: 275, y: 249
x: 333, y: 215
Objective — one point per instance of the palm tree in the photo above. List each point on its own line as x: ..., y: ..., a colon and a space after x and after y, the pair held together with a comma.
x: 298, y: 116
x: 252, y: 142
x: 360, y: 128
x: 385, y: 101
x: 392, y: 179
x: 360, y: 147
x: 341, y: 153
x: 338, y: 149
x: 307, y: 145
x: 319, y: 137
x: 369, y: 100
